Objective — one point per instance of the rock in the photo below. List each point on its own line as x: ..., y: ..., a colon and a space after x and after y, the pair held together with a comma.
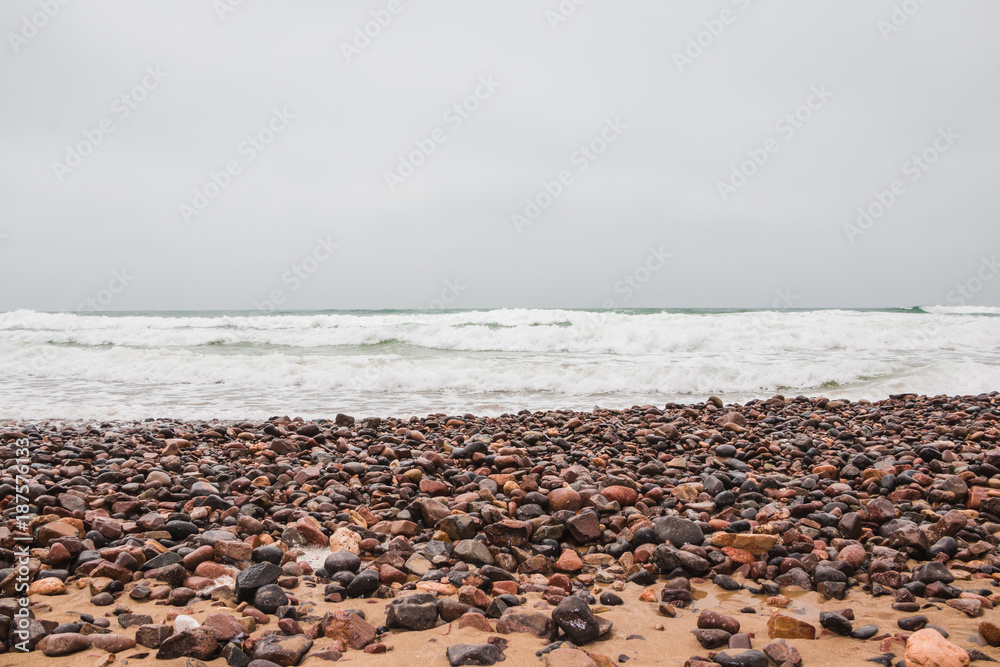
x: 349, y: 629
x: 341, y: 561
x: 474, y: 654
x: 622, y: 495
x: 677, y: 531
x: 912, y: 623
x: 47, y: 586
x: 712, y: 639
x: 413, y: 612
x: 564, y: 498
x: 129, y: 620
x: 285, y: 651
x: 64, y: 644
x: 927, y: 648
x: 473, y: 552
x: 990, y: 632
x: 585, y: 527
x: 610, y: 599
x: 754, y: 544
x: 345, y: 539
x: 741, y: 659
x: 112, y: 642
x: 932, y: 572
x: 195, y: 643
x: 714, y: 620
x: 780, y: 626
x: 254, y: 577
x: 568, y: 657
x: 473, y: 620
x: 529, y: 622
x: 269, y: 598
x: 864, y: 632
x: 783, y: 653
x: 835, y: 623
x: 364, y: 584
x: 152, y: 635
x: 568, y: 561
x: 224, y: 626
x: 574, y: 617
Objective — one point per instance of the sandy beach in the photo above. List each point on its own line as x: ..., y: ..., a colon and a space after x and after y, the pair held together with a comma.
x: 787, y: 531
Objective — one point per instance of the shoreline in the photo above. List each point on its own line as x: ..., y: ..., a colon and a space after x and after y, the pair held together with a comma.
x: 818, y: 399
x: 753, y: 522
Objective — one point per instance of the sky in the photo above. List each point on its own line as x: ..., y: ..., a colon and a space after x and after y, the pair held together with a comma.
x: 305, y: 154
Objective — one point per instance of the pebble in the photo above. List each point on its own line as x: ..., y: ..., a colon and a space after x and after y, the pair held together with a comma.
x: 825, y: 495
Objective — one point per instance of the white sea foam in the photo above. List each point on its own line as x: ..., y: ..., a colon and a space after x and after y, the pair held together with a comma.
x: 253, y: 366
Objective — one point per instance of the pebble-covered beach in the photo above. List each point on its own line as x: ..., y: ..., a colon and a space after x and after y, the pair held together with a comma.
x: 787, y: 531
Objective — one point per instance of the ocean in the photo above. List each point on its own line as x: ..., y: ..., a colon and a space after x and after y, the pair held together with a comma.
x: 248, y: 365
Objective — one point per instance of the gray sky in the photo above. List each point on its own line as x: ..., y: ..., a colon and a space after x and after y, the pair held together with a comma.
x: 645, y: 223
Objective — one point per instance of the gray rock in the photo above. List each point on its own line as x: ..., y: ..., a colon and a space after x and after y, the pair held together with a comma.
x: 473, y: 552
x: 474, y: 654
x: 677, y: 531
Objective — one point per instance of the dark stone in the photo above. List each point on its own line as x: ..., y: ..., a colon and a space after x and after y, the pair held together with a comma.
x: 912, y: 623
x: 712, y: 639
x: 677, y: 531
x: 610, y: 599
x: 864, y: 632
x: 741, y: 659
x: 341, y: 561
x: 255, y: 576
x: 413, y: 612
x: 835, y: 623
x: 364, y: 584
x: 269, y: 598
x: 574, y: 617
x: 474, y: 654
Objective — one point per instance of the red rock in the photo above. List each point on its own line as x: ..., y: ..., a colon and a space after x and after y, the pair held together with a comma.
x: 780, y: 626
x: 928, y: 648
x: 502, y: 587
x: 389, y: 575
x: 622, y: 495
x: 224, y: 627
x: 311, y: 530
x: 473, y: 620
x: 433, y: 487
x: 564, y: 498
x: 474, y: 596
x: 569, y: 561
x: 561, y: 581
x: 212, y: 570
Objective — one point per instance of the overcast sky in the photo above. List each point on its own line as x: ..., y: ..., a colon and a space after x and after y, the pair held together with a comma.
x: 318, y: 128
